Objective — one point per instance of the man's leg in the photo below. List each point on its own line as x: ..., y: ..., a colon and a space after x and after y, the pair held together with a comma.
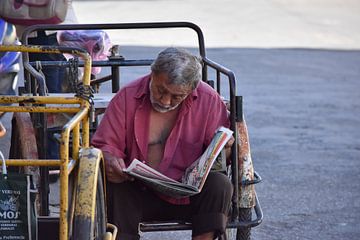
x: 124, y: 207
x: 130, y: 203
x: 211, y: 206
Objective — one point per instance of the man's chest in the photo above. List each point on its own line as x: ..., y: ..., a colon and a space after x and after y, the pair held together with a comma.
x: 160, y: 126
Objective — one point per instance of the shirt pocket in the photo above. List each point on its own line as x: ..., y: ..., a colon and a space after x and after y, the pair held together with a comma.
x: 186, y: 153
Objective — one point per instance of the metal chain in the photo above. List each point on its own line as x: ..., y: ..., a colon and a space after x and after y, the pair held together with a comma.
x: 81, y: 91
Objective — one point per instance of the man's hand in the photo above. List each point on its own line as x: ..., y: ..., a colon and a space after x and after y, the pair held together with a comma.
x: 228, y: 146
x: 114, y: 169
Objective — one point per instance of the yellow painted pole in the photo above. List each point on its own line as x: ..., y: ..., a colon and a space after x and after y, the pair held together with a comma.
x: 39, y: 99
x: 39, y: 109
x: 32, y: 162
x: 64, y: 180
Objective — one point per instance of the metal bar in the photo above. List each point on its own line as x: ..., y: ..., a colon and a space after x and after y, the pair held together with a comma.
x: 174, y: 226
x: 218, y: 79
x: 64, y: 170
x: 234, y: 150
x: 115, y: 84
x: 165, y: 226
x: 100, y: 80
x: 32, y: 162
x: 45, y: 50
x: 122, y: 63
x: 76, y: 142
x: 117, y: 26
x: 71, y: 165
x: 49, y: 50
x: 9, y: 99
x: 40, y: 109
x: 45, y: 190
x: 36, y: 77
x: 41, y: 130
x: 252, y: 223
x: 86, y: 133
x: 257, y: 179
x: 2, y: 130
x: 113, y: 230
x: 239, y: 109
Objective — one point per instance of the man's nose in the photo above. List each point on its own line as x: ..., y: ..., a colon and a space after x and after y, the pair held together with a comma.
x: 165, y: 100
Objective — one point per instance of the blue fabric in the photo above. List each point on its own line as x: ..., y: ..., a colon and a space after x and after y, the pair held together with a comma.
x: 53, y: 75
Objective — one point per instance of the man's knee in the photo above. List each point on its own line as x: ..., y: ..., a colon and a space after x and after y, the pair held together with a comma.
x: 219, y: 183
x: 215, y: 195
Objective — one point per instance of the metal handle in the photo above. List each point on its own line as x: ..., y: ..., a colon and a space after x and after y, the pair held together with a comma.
x: 4, y: 171
x: 257, y: 179
x: 2, y: 130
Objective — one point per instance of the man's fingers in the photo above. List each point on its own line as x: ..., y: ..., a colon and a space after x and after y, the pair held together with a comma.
x: 115, y: 170
x: 230, y: 142
x: 118, y: 165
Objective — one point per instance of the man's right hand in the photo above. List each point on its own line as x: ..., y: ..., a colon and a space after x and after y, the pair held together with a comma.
x: 114, y: 169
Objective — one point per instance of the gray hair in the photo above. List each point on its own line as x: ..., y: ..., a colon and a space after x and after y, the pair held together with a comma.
x: 182, y: 67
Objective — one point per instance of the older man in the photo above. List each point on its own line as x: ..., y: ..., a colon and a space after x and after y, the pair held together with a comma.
x: 166, y: 119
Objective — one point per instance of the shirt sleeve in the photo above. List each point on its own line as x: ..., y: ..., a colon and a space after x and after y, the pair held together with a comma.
x: 111, y: 133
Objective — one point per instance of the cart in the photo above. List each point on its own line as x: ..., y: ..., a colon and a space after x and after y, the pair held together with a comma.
x: 245, y: 212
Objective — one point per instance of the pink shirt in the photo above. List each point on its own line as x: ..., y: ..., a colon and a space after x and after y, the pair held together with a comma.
x: 124, y: 129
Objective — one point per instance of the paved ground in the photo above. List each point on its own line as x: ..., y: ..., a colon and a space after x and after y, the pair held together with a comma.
x: 298, y: 68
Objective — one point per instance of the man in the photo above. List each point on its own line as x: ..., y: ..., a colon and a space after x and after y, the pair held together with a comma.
x: 165, y: 119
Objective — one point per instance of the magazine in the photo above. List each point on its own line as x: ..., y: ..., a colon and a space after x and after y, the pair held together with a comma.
x: 194, y: 177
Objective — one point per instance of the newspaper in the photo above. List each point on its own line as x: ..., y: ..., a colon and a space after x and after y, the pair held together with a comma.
x: 194, y: 177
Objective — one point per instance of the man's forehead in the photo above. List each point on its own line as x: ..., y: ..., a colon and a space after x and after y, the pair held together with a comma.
x: 162, y: 80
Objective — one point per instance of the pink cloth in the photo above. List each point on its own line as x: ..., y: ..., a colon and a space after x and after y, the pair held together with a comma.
x: 124, y: 129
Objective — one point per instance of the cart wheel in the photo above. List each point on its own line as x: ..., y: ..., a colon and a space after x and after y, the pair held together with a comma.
x: 100, y: 213
x: 244, y: 233
x: 89, y: 224
x: 84, y: 228
x: 240, y: 233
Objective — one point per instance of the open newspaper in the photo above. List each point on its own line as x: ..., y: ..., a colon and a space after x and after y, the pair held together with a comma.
x: 194, y: 177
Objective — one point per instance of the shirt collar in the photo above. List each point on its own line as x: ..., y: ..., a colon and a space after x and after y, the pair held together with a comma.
x: 144, y: 87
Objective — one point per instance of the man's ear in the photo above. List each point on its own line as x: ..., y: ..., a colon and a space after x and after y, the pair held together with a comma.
x: 195, y: 85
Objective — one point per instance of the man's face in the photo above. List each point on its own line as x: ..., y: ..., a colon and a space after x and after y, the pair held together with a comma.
x: 165, y: 97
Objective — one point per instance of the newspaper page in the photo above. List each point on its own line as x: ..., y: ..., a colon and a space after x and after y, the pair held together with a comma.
x: 195, y: 175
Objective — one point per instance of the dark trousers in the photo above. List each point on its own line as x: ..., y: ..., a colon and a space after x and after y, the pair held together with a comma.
x: 130, y: 203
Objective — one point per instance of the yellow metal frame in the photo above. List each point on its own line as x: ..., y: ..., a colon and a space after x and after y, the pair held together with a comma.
x: 81, y: 109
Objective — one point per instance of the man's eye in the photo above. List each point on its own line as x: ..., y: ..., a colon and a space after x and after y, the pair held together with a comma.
x: 178, y: 98
x: 161, y: 91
